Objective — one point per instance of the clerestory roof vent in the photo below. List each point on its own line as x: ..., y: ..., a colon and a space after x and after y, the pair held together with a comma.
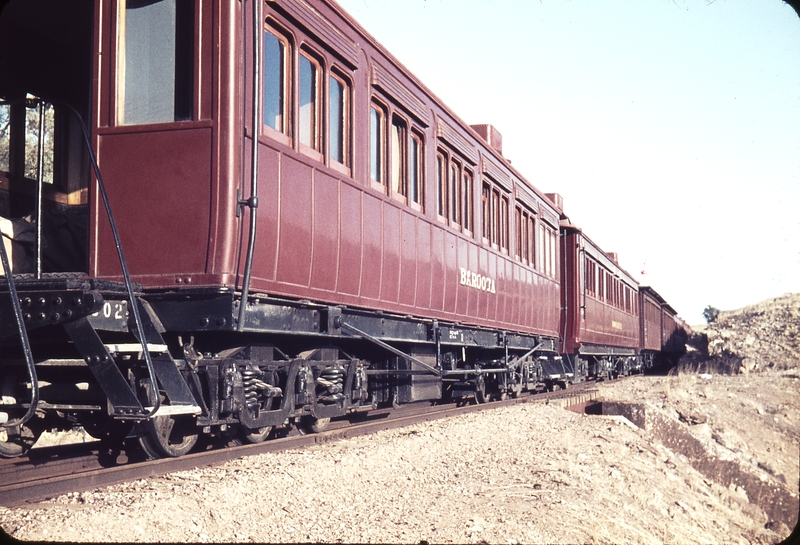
x: 491, y: 135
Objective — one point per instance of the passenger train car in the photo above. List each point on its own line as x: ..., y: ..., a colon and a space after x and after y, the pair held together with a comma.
x: 221, y: 217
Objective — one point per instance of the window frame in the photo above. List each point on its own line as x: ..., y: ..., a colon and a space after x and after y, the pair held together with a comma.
x: 399, y: 135
x: 525, y: 232
x: 23, y: 161
x: 486, y: 214
x: 591, y: 277
x: 532, y: 246
x: 346, y: 121
x: 416, y: 165
x: 442, y: 172
x: 377, y: 146
x: 454, y: 190
x: 284, y: 133
x: 186, y: 29
x: 504, y: 223
x: 331, y: 143
x: 467, y: 195
x: 548, y: 250
x: 495, y: 215
x: 314, y: 146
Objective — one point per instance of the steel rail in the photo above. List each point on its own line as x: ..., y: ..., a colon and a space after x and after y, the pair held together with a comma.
x: 83, y: 475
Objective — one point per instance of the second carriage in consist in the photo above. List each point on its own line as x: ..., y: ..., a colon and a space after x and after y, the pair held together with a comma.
x: 272, y: 221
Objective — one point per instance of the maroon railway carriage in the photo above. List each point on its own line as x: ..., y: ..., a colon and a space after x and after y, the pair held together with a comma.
x: 673, y: 333
x: 663, y: 332
x: 370, y: 193
x: 600, y: 302
x: 271, y: 220
x: 650, y: 303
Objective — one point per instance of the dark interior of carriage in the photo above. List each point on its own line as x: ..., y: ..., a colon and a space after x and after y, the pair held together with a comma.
x: 45, y: 72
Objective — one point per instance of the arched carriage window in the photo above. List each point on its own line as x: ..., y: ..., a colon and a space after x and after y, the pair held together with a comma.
x: 310, y: 102
x: 377, y: 145
x: 275, y: 86
x: 306, y: 97
x: 454, y: 190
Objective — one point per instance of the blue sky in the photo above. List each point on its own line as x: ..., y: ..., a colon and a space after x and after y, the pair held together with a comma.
x: 670, y: 127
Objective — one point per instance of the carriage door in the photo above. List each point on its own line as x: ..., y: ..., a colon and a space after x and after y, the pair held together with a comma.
x: 154, y: 139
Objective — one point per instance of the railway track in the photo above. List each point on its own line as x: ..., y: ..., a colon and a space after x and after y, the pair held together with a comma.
x: 52, y: 471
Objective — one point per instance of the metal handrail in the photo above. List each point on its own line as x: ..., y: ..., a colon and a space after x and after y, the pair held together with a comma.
x: 123, y: 263
x: 26, y: 345
x: 252, y: 202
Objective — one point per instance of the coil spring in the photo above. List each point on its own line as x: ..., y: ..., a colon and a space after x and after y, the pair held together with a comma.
x: 335, y: 377
x: 251, y: 382
x: 331, y: 380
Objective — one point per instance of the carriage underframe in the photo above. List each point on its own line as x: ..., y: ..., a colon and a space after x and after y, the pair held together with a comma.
x: 288, y: 362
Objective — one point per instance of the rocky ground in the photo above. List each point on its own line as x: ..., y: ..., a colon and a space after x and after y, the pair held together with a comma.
x: 759, y: 337
x: 523, y: 474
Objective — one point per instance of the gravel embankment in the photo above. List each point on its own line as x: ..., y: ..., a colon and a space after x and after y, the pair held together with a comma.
x: 523, y: 474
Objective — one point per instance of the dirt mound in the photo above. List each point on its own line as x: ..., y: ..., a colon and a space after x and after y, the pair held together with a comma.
x: 752, y: 339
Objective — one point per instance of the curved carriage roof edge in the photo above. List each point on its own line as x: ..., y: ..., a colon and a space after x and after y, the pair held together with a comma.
x: 463, y: 125
x: 663, y: 302
x: 597, y: 252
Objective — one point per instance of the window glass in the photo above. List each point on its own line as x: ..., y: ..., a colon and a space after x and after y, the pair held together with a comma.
x: 309, y: 103
x: 19, y: 136
x: 548, y: 254
x: 486, y: 221
x: 495, y: 216
x: 466, y: 194
x: 525, y: 233
x: 541, y: 259
x: 525, y: 227
x: 275, y: 78
x: 338, y: 108
x: 415, y: 169
x: 398, y: 156
x: 504, y: 222
x: 455, y: 193
x: 155, y: 75
x: 5, y: 137
x: 531, y: 241
x: 376, y: 144
x: 441, y: 185
x: 32, y: 143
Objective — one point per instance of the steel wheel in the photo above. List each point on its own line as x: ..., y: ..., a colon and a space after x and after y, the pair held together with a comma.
x: 17, y: 441
x: 105, y: 428
x: 167, y: 436
x: 252, y: 435
x: 481, y: 393
x: 516, y: 386
x: 309, y: 424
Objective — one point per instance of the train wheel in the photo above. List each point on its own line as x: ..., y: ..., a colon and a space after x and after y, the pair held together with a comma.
x: 105, y: 428
x: 252, y: 435
x: 17, y: 441
x: 167, y: 436
x: 309, y: 424
x: 481, y: 394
